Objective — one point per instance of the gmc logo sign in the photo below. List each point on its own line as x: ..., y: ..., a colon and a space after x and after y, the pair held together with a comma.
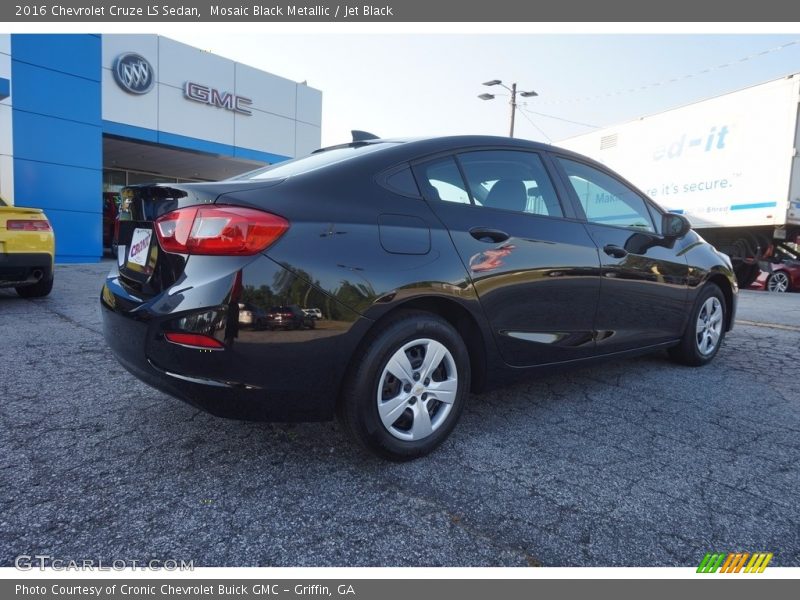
x: 208, y: 95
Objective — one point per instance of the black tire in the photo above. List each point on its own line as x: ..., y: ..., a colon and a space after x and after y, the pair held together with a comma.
x: 688, y: 351
x: 746, y: 274
x: 40, y: 289
x: 358, y: 404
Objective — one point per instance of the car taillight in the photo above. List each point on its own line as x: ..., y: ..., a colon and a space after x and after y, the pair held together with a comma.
x: 28, y: 225
x: 218, y: 230
x: 194, y: 340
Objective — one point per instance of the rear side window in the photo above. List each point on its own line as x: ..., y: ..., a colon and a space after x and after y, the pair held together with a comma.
x: 403, y: 182
x: 441, y: 180
x: 606, y: 200
x: 510, y: 180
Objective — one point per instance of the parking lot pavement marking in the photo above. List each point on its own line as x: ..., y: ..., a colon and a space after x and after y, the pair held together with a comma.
x: 770, y: 325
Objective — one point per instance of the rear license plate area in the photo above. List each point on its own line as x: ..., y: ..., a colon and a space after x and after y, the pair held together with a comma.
x: 138, y: 253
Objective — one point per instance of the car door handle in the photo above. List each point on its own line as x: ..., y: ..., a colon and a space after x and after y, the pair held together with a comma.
x: 490, y: 236
x: 615, y: 251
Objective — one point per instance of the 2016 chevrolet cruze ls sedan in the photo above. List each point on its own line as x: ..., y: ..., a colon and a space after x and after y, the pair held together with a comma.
x: 440, y: 266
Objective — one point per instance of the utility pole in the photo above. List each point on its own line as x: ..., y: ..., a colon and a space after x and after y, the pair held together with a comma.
x: 513, y: 108
x: 513, y: 101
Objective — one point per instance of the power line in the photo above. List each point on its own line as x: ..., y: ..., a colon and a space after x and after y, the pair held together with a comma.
x: 670, y: 80
x: 533, y: 112
x: 547, y: 137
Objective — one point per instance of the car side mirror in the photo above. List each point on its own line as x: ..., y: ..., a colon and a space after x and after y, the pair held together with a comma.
x: 674, y: 225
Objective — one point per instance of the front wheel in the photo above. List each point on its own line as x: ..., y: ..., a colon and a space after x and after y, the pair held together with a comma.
x: 406, y: 389
x: 778, y: 281
x: 705, y: 331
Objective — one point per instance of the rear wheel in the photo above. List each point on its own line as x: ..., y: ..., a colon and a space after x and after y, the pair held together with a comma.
x: 778, y: 281
x: 40, y: 289
x: 705, y: 331
x: 406, y: 389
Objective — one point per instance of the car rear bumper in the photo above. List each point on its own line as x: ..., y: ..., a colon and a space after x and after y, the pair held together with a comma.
x: 258, y: 375
x: 24, y: 268
x: 128, y: 339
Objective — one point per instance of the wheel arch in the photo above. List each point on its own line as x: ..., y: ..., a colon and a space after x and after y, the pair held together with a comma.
x: 454, y: 313
x: 724, y: 284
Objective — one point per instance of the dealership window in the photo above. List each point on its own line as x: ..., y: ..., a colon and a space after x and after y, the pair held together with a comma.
x: 135, y: 178
x: 116, y: 179
x: 605, y: 200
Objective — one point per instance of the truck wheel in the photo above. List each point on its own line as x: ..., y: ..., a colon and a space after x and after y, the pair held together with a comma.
x: 778, y: 281
x: 406, y: 389
x: 746, y: 274
x: 705, y: 330
x: 40, y: 289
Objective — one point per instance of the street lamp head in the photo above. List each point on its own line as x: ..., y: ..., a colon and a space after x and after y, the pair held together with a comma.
x: 486, y: 96
x: 528, y: 94
x: 493, y: 82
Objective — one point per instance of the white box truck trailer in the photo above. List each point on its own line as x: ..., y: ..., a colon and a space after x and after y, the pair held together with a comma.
x: 729, y: 163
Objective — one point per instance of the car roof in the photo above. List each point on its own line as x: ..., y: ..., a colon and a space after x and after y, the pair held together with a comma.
x: 397, y: 151
x: 411, y: 149
x: 446, y: 142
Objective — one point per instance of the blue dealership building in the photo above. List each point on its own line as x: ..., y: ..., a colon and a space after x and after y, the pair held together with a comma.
x: 81, y: 116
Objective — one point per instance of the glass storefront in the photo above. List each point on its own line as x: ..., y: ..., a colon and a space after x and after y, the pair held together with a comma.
x: 116, y: 179
x: 113, y: 182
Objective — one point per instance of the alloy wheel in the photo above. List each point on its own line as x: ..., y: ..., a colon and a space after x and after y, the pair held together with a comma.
x: 778, y: 282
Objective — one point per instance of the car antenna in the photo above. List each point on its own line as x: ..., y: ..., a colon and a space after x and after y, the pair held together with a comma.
x: 362, y: 136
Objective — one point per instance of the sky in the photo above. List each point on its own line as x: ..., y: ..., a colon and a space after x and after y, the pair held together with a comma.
x: 411, y: 85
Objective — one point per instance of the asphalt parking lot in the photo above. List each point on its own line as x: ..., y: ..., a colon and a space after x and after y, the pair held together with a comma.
x: 637, y: 462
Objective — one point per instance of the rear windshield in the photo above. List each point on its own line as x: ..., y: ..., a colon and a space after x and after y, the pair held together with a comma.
x: 313, y: 161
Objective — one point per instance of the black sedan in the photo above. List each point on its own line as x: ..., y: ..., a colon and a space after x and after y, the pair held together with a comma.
x: 443, y: 266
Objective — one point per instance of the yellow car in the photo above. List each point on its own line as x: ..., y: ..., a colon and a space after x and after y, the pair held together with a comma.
x: 27, y: 250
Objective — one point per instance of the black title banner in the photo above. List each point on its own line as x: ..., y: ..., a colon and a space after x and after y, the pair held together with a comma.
x: 399, y: 589
x: 399, y: 11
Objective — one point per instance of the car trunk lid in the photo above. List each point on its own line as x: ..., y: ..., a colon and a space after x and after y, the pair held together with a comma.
x: 8, y: 213
x: 143, y: 265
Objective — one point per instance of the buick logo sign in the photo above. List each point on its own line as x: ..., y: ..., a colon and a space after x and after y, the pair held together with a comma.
x: 133, y: 73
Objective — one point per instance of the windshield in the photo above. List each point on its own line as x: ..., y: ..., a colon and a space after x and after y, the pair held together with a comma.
x: 313, y: 161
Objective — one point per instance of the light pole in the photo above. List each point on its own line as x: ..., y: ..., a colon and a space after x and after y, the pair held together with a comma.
x: 512, y: 102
